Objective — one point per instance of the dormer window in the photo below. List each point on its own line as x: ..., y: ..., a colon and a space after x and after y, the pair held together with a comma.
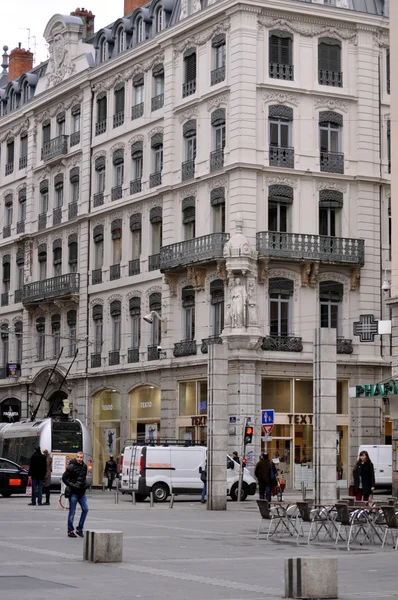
x: 25, y: 92
x: 159, y: 19
x: 121, y: 40
x: 140, y: 30
x: 103, y: 50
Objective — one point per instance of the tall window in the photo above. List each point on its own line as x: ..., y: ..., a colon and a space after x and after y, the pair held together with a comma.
x: 188, y: 305
x: 41, y: 338
x: 56, y: 333
x: 330, y: 296
x: 280, y: 294
x: 22, y: 205
x: 118, y: 165
x: 218, y: 123
x: 116, y: 312
x: 157, y: 147
x: 136, y: 235
x: 57, y: 257
x: 135, y: 321
x: 217, y: 201
x: 280, y: 197
x: 59, y: 191
x: 281, y: 55
x: 121, y: 40
x: 137, y: 164
x: 25, y: 92
x: 75, y: 120
x: 155, y: 218
x: 116, y: 229
x: 19, y: 340
x: 103, y: 50
x: 6, y: 274
x: 140, y: 30
x: 74, y: 179
x: 119, y: 99
x: 71, y: 319
x: 189, y: 86
x: 218, y: 59
x: 389, y: 145
x: 138, y: 85
x: 388, y: 63
x: 217, y: 305
x: 101, y: 113
x: 98, y: 321
x: 98, y: 237
x: 20, y: 273
x: 158, y: 87
x: 189, y: 217
x: 329, y: 62
x: 190, y: 140
x: 330, y: 205
x: 155, y: 303
x: 280, y: 126
x: 389, y: 228
x: 5, y: 345
x: 100, y: 174
x: 43, y: 197
x: 42, y: 258
x: 23, y: 150
x: 8, y: 211
x: 330, y: 142
x: 10, y: 156
x: 61, y: 124
x: 73, y: 252
x: 46, y: 132
x: 159, y: 19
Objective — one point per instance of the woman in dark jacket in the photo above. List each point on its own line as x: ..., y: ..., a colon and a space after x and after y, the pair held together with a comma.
x: 364, y: 477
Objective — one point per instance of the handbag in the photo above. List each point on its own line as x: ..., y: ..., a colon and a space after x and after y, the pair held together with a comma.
x: 203, y: 476
x: 68, y: 492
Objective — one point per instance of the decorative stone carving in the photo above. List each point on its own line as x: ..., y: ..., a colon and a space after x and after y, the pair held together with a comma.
x: 200, y: 39
x: 217, y: 183
x: 60, y: 64
x: 197, y: 277
x: 22, y: 125
x: 118, y: 146
x: 336, y: 277
x: 237, y: 245
x: 281, y: 98
x: 331, y: 185
x: 189, y: 191
x: 331, y: 103
x: 216, y: 102
x: 171, y: 279
x: 252, y: 315
x: 184, y: 8
x: 134, y: 139
x: 238, y: 295
x: 96, y: 301
x: 154, y: 60
x: 188, y: 114
x: 314, y: 274
x: 305, y: 274
x: 355, y: 278
x: 291, y: 25
x: 222, y: 271
x: 263, y: 270
x: 282, y: 180
x: 154, y: 131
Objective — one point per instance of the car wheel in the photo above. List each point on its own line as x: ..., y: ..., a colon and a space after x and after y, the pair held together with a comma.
x: 234, y: 492
x: 160, y: 492
x: 141, y: 497
x: 6, y: 494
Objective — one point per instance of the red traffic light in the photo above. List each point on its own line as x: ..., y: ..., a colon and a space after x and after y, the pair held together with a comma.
x: 248, y: 434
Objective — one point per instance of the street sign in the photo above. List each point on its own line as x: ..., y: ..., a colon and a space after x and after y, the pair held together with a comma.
x: 232, y: 420
x: 267, y: 422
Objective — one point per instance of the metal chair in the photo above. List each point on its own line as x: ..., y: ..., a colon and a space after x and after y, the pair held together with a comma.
x: 391, y: 522
x: 351, y: 520
x: 274, y: 514
x: 317, y: 518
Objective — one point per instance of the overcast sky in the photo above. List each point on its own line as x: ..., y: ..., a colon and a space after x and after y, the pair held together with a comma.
x: 19, y: 15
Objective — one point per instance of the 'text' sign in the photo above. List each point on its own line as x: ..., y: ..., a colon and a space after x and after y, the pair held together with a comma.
x: 300, y: 419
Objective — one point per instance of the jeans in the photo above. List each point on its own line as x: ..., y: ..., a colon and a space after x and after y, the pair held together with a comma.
x: 111, y: 478
x: 73, y: 500
x: 47, y: 493
x: 360, y: 495
x: 37, y: 489
x: 204, y: 492
x: 265, y: 491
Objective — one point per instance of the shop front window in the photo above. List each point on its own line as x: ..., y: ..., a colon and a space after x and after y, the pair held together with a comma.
x: 193, y: 411
x: 145, y: 405
x: 106, y: 430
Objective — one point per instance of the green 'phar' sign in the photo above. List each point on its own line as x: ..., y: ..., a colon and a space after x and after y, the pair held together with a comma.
x: 379, y: 389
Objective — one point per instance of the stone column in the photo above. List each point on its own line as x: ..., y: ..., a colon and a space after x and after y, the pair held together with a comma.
x: 217, y: 427
x: 325, y: 372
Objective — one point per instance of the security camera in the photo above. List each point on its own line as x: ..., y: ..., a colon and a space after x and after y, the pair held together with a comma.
x: 148, y: 318
x: 386, y: 286
x: 159, y: 348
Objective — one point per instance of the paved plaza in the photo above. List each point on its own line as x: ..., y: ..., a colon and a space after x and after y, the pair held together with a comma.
x: 181, y: 553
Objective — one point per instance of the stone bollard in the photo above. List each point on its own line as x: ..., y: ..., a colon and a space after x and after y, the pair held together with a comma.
x: 311, y: 578
x: 103, y: 545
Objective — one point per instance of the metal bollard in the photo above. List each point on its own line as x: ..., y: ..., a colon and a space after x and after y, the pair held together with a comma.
x: 117, y: 492
x: 151, y: 499
x: 103, y: 484
x: 338, y: 493
x: 171, y: 501
x: 133, y: 499
x: 303, y: 491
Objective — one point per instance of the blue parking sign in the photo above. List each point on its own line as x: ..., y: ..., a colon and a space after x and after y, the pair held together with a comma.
x: 267, y: 417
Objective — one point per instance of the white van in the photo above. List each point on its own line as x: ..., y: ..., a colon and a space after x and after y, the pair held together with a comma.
x: 174, y: 469
x: 381, y: 457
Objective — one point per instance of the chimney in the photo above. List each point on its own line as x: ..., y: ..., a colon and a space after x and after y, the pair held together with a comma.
x: 130, y: 5
x: 20, y: 62
x: 88, y: 21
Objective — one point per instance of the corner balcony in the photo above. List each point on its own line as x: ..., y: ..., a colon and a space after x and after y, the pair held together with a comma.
x: 62, y: 287
x: 332, y: 162
x: 55, y: 148
x: 307, y: 247
x: 281, y: 157
x: 279, y: 343
x: 188, y: 170
x: 198, y: 251
x: 184, y: 348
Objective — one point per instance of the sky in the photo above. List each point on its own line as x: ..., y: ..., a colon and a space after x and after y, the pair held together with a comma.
x: 17, y: 16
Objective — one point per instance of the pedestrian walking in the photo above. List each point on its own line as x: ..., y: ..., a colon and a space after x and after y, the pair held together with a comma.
x: 37, y: 471
x: 110, y: 471
x: 364, y: 477
x: 75, y: 479
x: 47, y: 479
x: 266, y: 476
x: 235, y: 457
x: 203, y: 476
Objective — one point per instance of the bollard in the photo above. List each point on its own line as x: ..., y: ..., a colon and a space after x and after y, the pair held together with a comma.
x: 117, y: 492
x: 133, y: 499
x: 171, y: 501
x: 338, y: 493
x: 151, y: 499
x: 302, y: 578
x: 303, y: 491
x: 103, y: 484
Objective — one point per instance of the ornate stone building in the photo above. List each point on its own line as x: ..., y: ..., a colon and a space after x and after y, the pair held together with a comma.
x: 220, y: 168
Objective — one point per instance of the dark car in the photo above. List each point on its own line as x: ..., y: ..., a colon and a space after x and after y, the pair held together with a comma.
x: 13, y: 478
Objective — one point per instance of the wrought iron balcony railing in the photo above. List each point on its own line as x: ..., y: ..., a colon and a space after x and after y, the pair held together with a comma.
x: 153, y: 353
x: 216, y: 160
x: 154, y: 262
x: 42, y: 221
x: 302, y: 246
x: 9, y: 168
x: 332, y: 162
x: 137, y: 111
x: 18, y: 296
x: 98, y: 199
x: 54, y: 148
x: 205, y: 249
x: 95, y: 361
x: 279, y: 71
x: 282, y: 344
x: 135, y: 186
x: 114, y: 272
x: 217, y: 75
x: 74, y: 138
x: 48, y: 289
x: 331, y: 78
x: 188, y: 170
x: 21, y: 227
x: 155, y: 179
x: 72, y: 210
x: 118, y: 119
x: 133, y: 355
x: 281, y: 157
x: 23, y: 162
x: 134, y: 267
x: 116, y: 192
x: 4, y: 299
x: 6, y: 231
x: 57, y: 216
x: 100, y: 127
x: 114, y: 358
x: 157, y: 102
x: 206, y: 342
x: 344, y: 346
x: 188, y: 88
x: 96, y: 276
x: 185, y: 348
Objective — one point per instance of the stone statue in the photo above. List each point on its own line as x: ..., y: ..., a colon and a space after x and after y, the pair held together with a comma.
x: 238, y: 304
x: 252, y: 304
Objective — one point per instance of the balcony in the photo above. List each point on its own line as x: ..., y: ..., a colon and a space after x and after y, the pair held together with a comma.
x: 9, y: 168
x: 134, y: 267
x: 116, y: 193
x: 188, y: 88
x: 98, y: 199
x: 72, y: 210
x: 18, y: 296
x: 137, y: 111
x: 118, y: 119
x: 63, y: 286
x: 153, y: 353
x: 6, y: 231
x: 154, y: 262
x: 331, y: 78
x: 55, y: 148
x: 4, y: 299
x: 23, y: 162
x: 279, y: 71
x: 332, y: 162
x: 201, y: 250
x: 155, y: 179
x: 281, y: 157
x: 95, y: 361
x: 114, y: 358
x: 42, y: 221
x: 133, y: 355
x: 157, y: 102
x: 217, y: 75
x: 96, y: 276
x: 188, y: 170
x: 216, y: 160
x: 135, y: 186
x: 206, y: 342
x: 273, y: 343
x: 307, y: 247
x: 184, y: 348
x: 344, y: 346
x: 21, y: 227
x: 100, y: 127
x: 57, y: 216
x: 74, y: 139
x: 114, y: 272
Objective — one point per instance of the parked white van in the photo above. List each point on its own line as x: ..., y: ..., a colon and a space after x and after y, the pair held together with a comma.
x: 174, y: 469
x: 381, y: 457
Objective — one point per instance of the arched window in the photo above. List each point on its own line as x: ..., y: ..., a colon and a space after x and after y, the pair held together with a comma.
x: 25, y: 92
x: 121, y: 40
x: 57, y: 257
x: 330, y: 205
x: 159, y: 19
x: 103, y: 50
x: 116, y: 229
x: 330, y: 142
x: 56, y: 333
x: 188, y: 305
x: 71, y: 318
x: 281, y: 55
x: 155, y: 303
x: 281, y: 153
x: 19, y: 340
x: 217, y: 303
x: 280, y: 295
x: 98, y: 324
x: 140, y: 30
x: 98, y: 238
x: 330, y: 297
x: 280, y: 197
x: 135, y: 319
x: 41, y: 338
x: 116, y: 316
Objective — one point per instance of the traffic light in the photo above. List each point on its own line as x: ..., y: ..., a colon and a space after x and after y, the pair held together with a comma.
x: 248, y: 434
x: 244, y: 462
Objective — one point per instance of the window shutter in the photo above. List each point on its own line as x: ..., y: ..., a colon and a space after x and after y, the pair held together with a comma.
x: 6, y: 268
x: 116, y: 308
x: 218, y: 117
x: 188, y: 296
x: 158, y: 70
x: 138, y: 80
x: 329, y: 55
x: 59, y: 181
x: 55, y: 322
x: 98, y: 234
x: 217, y: 196
x: 330, y: 199
x: 98, y: 311
x: 71, y: 318
x: 137, y: 149
x: 155, y: 216
x: 155, y: 301
x: 44, y: 186
x: 157, y: 140
x: 73, y: 248
x: 280, y: 193
x: 278, y: 285
x: 116, y: 229
x: 280, y: 48
x: 20, y: 257
x: 217, y: 291
x: 330, y: 290
x: 100, y: 163
x: 41, y: 325
x: 189, y: 128
x: 286, y: 51
x: 118, y: 157
x: 75, y: 110
x: 136, y: 222
x: 218, y: 40
x: 22, y: 194
x: 74, y: 175
x: 42, y: 253
x: 102, y: 108
x: 188, y: 210
x: 190, y: 66
x: 135, y: 306
x: 46, y: 132
x: 119, y: 100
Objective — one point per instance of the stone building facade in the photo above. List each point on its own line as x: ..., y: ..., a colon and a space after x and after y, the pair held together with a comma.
x: 133, y: 158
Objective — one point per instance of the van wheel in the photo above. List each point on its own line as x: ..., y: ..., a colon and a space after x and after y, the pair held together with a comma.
x: 234, y: 492
x: 160, y: 492
x: 141, y: 497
